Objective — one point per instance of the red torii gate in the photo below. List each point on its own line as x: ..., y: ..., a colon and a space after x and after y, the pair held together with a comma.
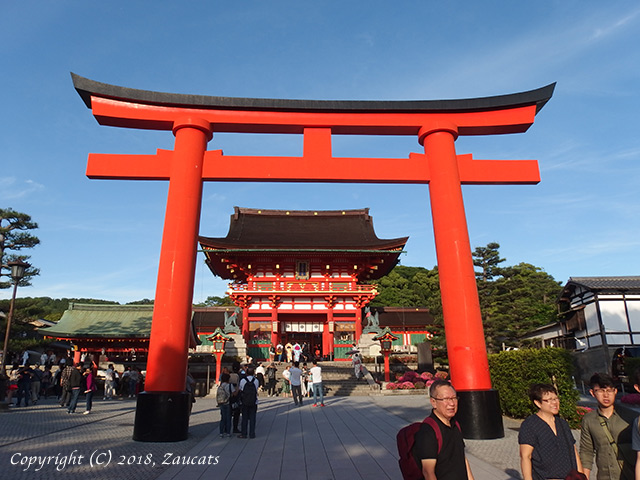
x: 162, y: 410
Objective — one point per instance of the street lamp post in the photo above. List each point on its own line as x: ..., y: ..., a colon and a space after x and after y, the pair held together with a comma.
x: 18, y: 269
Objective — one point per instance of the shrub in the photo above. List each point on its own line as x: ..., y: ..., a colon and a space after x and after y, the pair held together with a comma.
x: 420, y: 385
x: 442, y: 375
x: 513, y: 372
x: 392, y: 386
x: 406, y: 386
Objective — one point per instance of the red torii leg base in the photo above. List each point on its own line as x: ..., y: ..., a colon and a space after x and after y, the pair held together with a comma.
x: 162, y: 417
x: 480, y: 415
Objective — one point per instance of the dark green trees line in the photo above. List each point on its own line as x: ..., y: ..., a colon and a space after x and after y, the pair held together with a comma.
x: 514, y: 300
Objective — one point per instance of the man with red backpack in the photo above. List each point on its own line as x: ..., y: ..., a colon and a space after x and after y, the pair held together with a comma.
x: 434, y: 449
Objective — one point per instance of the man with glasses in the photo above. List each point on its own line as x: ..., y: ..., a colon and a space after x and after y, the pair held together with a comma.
x: 444, y: 458
x: 606, y: 434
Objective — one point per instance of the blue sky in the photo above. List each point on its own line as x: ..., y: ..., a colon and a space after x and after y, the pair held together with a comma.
x: 101, y: 239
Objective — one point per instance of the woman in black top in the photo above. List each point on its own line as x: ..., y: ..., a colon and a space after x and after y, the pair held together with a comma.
x: 547, y: 447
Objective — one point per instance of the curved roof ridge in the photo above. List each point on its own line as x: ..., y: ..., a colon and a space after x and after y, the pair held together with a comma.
x: 301, y: 229
x: 86, y: 88
x: 276, y: 212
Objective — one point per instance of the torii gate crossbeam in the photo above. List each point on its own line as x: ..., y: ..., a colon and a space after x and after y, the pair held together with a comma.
x: 162, y: 411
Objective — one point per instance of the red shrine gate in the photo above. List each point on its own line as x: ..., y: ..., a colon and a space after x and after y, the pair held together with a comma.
x: 162, y: 410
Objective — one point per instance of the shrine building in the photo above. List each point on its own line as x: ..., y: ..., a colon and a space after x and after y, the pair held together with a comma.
x: 301, y: 276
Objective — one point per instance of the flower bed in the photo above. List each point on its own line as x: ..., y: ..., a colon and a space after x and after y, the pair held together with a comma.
x: 414, y: 380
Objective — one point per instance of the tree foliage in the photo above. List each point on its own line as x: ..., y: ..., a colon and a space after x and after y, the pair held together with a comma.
x: 414, y: 287
x: 15, y: 235
x: 144, y: 301
x: 214, y: 301
x: 514, y: 300
x: 410, y: 287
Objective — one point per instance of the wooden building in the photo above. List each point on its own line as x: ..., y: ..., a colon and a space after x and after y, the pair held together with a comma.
x: 600, y: 319
x: 301, y: 276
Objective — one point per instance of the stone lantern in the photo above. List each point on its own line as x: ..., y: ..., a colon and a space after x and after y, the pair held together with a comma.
x: 386, y: 339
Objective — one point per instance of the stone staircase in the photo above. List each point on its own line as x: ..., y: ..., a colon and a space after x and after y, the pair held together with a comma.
x: 338, y: 379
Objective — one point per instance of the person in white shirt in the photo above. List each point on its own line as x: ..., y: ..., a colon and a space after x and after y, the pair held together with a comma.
x: 286, y: 384
x: 316, y: 382
x: 260, y: 371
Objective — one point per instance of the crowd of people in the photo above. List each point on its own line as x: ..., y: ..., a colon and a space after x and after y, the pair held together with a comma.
x: 67, y: 381
x: 293, y: 352
x: 238, y: 391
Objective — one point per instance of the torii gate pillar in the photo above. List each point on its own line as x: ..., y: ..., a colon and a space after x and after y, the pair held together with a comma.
x: 162, y: 410
x: 164, y: 396
x: 479, y: 404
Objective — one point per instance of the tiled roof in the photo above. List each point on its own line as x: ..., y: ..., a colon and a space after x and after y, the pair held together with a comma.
x: 89, y: 321
x: 302, y: 229
x: 607, y: 283
x: 99, y: 321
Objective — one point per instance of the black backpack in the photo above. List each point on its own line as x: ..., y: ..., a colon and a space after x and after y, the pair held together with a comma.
x: 249, y: 394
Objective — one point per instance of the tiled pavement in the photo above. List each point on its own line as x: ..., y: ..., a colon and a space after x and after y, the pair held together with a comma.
x: 351, y: 438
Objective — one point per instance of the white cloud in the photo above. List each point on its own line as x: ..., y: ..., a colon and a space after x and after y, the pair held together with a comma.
x: 13, y: 189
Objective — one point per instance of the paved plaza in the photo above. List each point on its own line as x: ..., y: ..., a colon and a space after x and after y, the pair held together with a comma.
x: 350, y: 438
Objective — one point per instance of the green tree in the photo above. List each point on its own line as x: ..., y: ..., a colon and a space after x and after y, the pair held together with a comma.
x: 525, y: 299
x: 144, y: 301
x: 414, y: 287
x: 214, y: 301
x: 513, y: 300
x: 488, y: 259
x: 15, y: 235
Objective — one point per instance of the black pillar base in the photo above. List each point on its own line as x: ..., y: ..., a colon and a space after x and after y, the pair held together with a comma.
x: 479, y: 414
x: 162, y: 417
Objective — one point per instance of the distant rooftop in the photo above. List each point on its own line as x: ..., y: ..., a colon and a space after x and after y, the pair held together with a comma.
x: 607, y: 283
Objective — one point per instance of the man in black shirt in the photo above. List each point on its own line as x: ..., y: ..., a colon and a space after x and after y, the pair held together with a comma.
x: 446, y: 461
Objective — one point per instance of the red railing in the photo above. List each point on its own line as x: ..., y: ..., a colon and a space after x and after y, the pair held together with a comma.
x: 306, y: 287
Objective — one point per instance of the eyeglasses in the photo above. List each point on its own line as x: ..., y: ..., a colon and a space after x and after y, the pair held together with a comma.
x: 608, y: 391
x: 447, y: 399
x: 551, y: 400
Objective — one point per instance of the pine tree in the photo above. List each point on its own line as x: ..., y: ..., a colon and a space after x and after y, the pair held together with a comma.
x: 14, y: 236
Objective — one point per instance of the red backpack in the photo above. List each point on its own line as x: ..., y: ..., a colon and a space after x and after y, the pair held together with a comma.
x: 406, y: 440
